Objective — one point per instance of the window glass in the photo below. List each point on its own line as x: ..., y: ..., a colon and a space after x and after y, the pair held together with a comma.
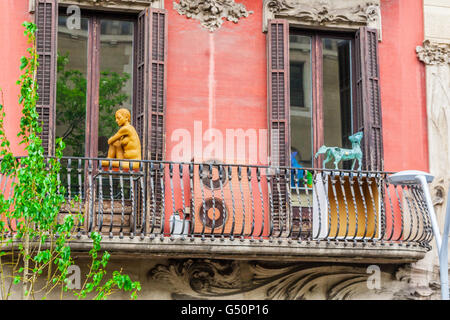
x: 337, y: 93
x: 116, y: 81
x: 301, y: 100
x: 71, y: 86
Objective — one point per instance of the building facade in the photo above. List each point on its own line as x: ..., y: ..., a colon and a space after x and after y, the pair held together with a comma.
x: 232, y: 101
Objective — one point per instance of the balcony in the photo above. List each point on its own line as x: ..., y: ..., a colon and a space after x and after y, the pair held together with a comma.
x: 229, y: 211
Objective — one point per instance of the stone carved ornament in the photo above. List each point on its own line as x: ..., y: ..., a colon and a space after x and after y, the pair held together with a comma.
x: 322, y: 12
x: 432, y: 53
x: 220, y: 279
x: 211, y: 13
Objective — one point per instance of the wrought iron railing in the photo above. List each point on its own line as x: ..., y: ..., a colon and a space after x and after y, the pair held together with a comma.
x: 229, y: 201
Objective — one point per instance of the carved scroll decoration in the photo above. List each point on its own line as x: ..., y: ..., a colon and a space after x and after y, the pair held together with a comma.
x: 211, y: 13
x: 324, y: 13
x: 218, y: 279
x: 348, y: 14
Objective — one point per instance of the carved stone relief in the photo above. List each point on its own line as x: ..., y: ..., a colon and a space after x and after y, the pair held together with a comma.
x: 220, y: 279
x: 211, y: 13
x: 348, y: 14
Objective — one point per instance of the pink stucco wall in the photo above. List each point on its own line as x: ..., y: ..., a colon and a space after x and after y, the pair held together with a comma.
x: 403, y: 87
x: 14, y: 44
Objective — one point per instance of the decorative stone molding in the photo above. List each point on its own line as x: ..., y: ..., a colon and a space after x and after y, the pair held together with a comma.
x: 433, y: 53
x: 125, y: 5
x: 231, y: 279
x: 199, y: 277
x: 211, y: 13
x: 326, y: 14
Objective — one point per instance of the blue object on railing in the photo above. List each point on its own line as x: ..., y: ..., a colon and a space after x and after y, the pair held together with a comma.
x: 295, y: 164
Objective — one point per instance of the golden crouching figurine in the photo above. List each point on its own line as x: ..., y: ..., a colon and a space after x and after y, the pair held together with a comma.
x: 125, y: 144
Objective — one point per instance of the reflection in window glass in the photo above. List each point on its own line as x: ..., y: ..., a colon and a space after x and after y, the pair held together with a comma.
x: 116, y: 82
x: 337, y: 94
x: 300, y: 96
x: 71, y: 86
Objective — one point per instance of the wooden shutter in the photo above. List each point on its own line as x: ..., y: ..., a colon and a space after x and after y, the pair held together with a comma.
x: 368, y: 101
x: 150, y: 106
x: 278, y: 114
x: 278, y: 59
x: 158, y: 36
x: 46, y: 16
x: 141, y: 81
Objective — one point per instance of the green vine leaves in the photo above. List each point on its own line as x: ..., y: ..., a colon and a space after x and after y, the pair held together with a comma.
x: 34, y: 242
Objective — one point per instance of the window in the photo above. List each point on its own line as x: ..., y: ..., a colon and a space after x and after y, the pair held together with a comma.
x: 94, y: 80
x: 84, y: 75
x: 320, y: 63
x: 322, y: 87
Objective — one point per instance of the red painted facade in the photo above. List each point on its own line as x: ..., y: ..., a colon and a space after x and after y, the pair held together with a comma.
x: 220, y: 78
x: 403, y: 88
x: 217, y: 78
x: 12, y: 14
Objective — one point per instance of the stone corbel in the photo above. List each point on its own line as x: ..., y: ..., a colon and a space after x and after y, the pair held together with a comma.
x: 211, y: 13
x: 433, y: 53
x: 325, y: 14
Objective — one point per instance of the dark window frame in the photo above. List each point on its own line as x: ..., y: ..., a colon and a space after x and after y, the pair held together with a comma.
x: 93, y: 73
x: 317, y: 81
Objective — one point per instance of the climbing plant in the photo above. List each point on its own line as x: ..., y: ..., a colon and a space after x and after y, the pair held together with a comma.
x: 35, y: 252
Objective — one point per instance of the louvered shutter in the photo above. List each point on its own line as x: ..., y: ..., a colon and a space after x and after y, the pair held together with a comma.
x: 151, y: 57
x: 368, y: 101
x: 150, y: 106
x: 278, y: 115
x: 139, y: 106
x: 142, y: 62
x: 46, y: 16
x: 158, y: 36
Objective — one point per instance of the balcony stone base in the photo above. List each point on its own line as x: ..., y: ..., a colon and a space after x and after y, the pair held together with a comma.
x: 267, y: 250
x: 257, y: 270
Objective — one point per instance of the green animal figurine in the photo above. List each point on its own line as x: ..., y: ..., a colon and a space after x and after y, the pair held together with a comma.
x: 340, y: 154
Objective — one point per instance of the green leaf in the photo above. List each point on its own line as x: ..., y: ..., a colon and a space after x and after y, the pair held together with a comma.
x: 23, y: 63
x: 89, y: 287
